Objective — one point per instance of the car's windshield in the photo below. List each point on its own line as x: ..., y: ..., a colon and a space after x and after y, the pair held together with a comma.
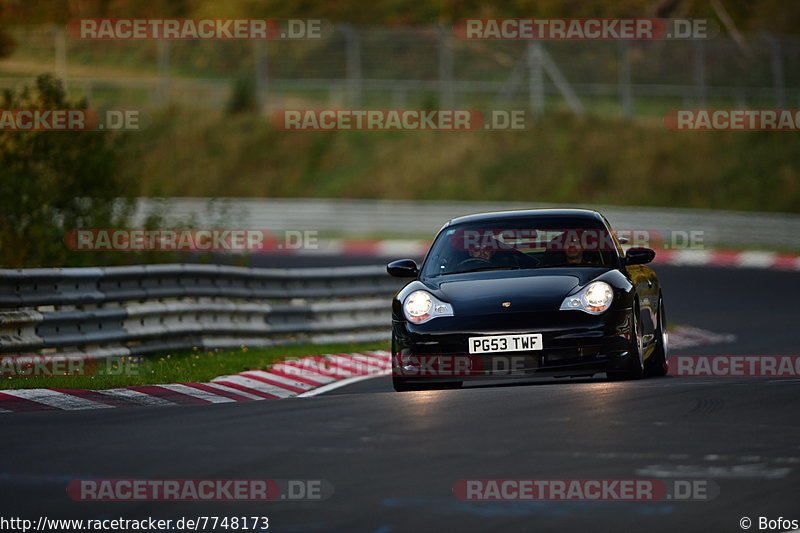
x: 520, y: 243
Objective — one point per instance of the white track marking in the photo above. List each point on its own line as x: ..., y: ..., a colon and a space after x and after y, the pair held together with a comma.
x: 342, y: 366
x: 260, y: 386
x: 276, y: 378
x: 756, y: 259
x: 59, y: 400
x: 137, y: 397
x: 300, y: 371
x: 361, y: 367
x: 329, y: 365
x: 745, y: 471
x: 691, y: 257
x: 375, y: 359
x: 687, y: 337
x: 197, y: 393
x: 234, y: 391
x: 341, y: 383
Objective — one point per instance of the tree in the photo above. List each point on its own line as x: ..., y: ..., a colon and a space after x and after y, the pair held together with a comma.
x: 56, y: 181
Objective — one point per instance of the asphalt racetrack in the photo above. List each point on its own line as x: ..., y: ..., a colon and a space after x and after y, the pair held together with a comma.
x: 393, y: 459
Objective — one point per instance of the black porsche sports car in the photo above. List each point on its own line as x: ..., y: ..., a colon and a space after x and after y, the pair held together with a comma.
x: 521, y: 294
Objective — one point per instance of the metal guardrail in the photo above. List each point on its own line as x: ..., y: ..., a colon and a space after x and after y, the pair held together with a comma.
x: 138, y: 310
x: 745, y: 230
x: 145, y: 309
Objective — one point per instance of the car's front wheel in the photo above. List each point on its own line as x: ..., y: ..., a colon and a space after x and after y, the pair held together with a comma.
x: 656, y: 364
x: 635, y: 367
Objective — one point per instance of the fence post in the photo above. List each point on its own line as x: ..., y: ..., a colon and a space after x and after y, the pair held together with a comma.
x: 261, y: 74
x: 776, y: 64
x: 699, y: 70
x: 445, y: 52
x: 535, y: 78
x: 60, y: 46
x: 353, y: 50
x: 625, y: 89
x: 163, y: 71
x: 560, y: 81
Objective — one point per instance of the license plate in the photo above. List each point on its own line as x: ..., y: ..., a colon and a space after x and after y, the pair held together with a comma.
x: 505, y: 343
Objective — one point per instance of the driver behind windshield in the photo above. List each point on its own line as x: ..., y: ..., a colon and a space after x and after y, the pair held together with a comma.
x: 570, y: 252
x: 483, y: 251
x: 523, y: 245
x: 489, y: 253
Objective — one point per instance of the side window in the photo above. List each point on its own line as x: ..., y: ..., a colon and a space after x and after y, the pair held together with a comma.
x: 617, y: 245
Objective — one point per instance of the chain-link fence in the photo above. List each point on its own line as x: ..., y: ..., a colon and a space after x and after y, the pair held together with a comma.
x: 422, y: 66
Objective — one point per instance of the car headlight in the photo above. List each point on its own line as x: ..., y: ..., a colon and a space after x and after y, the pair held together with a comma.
x: 421, y: 306
x: 595, y: 298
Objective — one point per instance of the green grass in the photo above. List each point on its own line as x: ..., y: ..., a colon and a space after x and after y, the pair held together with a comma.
x: 187, y: 367
x: 559, y: 158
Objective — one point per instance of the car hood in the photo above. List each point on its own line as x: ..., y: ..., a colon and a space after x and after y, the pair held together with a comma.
x: 526, y: 290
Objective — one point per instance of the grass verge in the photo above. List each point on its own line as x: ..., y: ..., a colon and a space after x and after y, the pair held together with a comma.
x: 184, y: 367
x: 559, y: 159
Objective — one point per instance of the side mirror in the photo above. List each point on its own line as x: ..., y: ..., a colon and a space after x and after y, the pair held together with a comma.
x: 639, y: 256
x: 403, y: 268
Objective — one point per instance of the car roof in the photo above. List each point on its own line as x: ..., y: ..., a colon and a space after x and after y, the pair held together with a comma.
x: 527, y: 213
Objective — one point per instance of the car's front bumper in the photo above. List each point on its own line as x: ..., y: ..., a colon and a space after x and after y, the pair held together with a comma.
x: 574, y: 343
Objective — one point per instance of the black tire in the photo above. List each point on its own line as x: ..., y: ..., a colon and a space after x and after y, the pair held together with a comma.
x: 635, y: 367
x: 402, y: 385
x: 657, y: 365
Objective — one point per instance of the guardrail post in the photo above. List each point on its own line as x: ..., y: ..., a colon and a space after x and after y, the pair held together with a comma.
x: 353, y: 65
x: 261, y: 74
x: 535, y: 78
x: 699, y: 71
x: 445, y: 53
